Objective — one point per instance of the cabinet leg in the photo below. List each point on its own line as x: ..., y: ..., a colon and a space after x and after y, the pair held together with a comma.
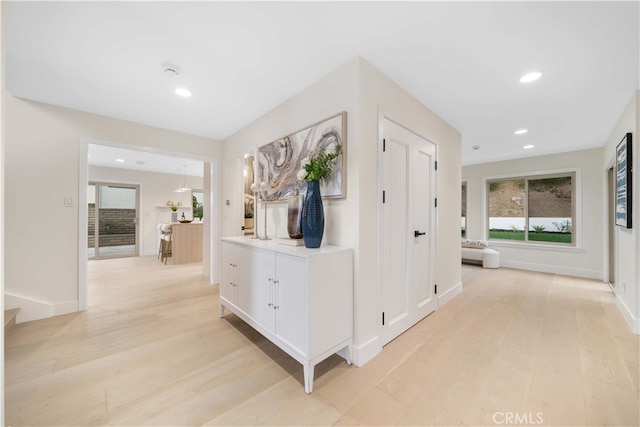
x: 346, y: 353
x: 221, y: 311
x: 308, y: 377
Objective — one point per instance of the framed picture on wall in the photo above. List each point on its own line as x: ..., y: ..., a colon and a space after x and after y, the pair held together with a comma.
x: 624, y: 182
x: 279, y: 161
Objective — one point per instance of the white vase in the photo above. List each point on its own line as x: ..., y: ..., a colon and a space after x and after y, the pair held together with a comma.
x: 174, y: 216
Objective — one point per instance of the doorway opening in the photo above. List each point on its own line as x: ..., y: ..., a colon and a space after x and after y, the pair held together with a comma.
x: 154, y: 210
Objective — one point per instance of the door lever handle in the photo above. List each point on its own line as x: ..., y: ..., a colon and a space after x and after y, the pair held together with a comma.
x: 418, y: 234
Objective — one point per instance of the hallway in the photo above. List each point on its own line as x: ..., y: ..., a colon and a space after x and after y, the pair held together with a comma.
x: 151, y: 350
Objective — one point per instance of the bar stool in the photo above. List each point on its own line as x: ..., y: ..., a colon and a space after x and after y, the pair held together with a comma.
x: 162, y: 228
x: 165, y: 242
x: 160, y: 234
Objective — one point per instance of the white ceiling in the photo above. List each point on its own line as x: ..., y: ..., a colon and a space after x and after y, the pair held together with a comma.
x: 145, y: 161
x: 241, y: 59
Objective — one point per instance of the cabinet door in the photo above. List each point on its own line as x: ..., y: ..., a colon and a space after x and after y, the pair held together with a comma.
x: 228, y: 274
x: 255, y: 289
x: 291, y: 301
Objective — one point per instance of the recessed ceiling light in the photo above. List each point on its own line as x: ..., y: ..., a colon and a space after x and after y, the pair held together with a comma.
x: 526, y: 147
x: 120, y: 160
x: 521, y: 131
x: 530, y: 77
x: 183, y: 92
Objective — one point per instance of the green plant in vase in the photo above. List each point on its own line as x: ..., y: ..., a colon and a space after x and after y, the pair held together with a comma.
x: 174, y: 208
x: 320, y: 167
x: 315, y: 169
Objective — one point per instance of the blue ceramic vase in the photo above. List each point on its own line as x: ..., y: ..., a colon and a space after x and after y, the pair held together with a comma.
x: 312, y: 216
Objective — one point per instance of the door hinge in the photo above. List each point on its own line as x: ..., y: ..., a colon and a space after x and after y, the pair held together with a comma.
x: 435, y: 289
x: 383, y: 318
x: 436, y: 202
x: 384, y: 196
x: 436, y: 165
x: 384, y: 144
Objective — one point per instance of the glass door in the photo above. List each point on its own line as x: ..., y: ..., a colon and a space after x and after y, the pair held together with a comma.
x: 113, y: 220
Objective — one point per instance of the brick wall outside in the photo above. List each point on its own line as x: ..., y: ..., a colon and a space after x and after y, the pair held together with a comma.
x: 117, y: 227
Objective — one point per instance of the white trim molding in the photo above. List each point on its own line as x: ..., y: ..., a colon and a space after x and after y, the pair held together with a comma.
x: 31, y: 309
x: 633, y: 322
x: 367, y: 351
x: 450, y: 294
x: 553, y: 269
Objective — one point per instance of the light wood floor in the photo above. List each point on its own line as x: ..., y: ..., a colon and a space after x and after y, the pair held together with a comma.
x: 150, y: 350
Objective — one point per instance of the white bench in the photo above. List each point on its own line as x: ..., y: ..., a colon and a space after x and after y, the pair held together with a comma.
x: 489, y: 258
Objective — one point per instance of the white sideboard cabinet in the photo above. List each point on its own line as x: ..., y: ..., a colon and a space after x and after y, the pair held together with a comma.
x: 300, y: 299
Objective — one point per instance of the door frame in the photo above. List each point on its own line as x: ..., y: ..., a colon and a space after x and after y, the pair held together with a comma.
x: 212, y: 219
x: 609, y: 228
x: 382, y: 116
x: 138, y: 188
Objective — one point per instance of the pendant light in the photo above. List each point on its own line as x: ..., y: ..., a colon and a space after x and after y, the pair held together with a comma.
x: 184, y: 188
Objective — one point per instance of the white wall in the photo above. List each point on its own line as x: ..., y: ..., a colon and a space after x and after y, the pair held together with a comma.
x: 360, y: 90
x: 155, y: 190
x: 586, y: 260
x: 42, y: 146
x: 334, y: 93
x: 379, y: 95
x: 627, y: 241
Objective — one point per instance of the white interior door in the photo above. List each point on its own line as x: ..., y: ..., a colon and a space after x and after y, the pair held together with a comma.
x: 406, y: 230
x: 423, y: 198
x: 394, y: 275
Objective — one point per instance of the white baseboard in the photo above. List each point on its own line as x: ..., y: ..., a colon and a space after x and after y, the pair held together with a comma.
x: 634, y: 323
x: 367, y: 351
x: 31, y: 309
x: 64, y: 308
x: 449, y: 295
x: 554, y: 269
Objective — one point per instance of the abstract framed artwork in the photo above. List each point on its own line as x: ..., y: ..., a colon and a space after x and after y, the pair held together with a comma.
x: 624, y: 182
x: 279, y: 161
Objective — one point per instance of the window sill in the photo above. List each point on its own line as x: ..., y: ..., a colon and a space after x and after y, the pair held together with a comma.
x: 535, y: 246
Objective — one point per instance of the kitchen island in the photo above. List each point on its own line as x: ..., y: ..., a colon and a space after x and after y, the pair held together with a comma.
x: 186, y: 242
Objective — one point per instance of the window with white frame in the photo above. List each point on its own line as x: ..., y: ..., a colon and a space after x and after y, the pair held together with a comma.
x: 197, y: 204
x: 537, y: 208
